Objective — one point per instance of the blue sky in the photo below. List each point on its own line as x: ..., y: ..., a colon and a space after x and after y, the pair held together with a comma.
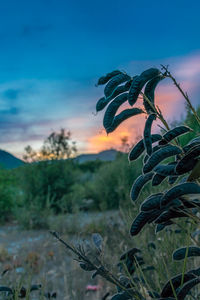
x: 53, y: 51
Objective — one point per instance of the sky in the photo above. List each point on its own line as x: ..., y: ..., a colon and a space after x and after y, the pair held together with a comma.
x: 53, y: 52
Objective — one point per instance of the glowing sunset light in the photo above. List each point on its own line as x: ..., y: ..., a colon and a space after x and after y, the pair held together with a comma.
x: 167, y: 97
x: 132, y: 129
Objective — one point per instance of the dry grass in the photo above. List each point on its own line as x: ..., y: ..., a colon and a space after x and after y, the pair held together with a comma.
x: 35, y: 257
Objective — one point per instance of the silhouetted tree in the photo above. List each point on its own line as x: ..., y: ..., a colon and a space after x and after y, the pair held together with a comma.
x: 58, y: 145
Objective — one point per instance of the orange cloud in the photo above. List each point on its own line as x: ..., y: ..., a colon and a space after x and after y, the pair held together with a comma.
x: 169, y: 101
x: 131, y: 128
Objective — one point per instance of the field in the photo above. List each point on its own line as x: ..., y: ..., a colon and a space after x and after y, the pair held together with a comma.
x: 35, y: 257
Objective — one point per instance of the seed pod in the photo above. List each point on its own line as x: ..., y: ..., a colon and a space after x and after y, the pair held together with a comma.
x: 172, y: 134
x: 152, y: 202
x: 128, y: 83
x: 149, y: 93
x: 95, y: 274
x: 126, y: 295
x: 138, y: 149
x: 131, y: 263
x: 124, y: 115
x: 180, y: 190
x: 139, y: 82
x: 188, y: 162
x: 190, y: 203
x: 35, y: 287
x: 98, y: 241
x: 104, y: 79
x: 176, y: 282
x: 160, y: 155
x: 160, y: 227
x: 139, y: 222
x: 112, y: 109
x: 146, y: 157
x: 168, y: 298
x: 184, y: 290
x: 138, y: 185
x: 101, y: 104
x: 125, y: 281
x: 188, y: 147
x: 172, y: 179
x: 119, y: 90
x: 185, y: 165
x: 154, y: 214
x: 195, y: 140
x: 195, y: 174
x: 142, y: 218
x: 86, y: 267
x: 157, y: 179
x: 147, y: 133
x: 180, y: 253
x: 191, y: 144
x: 114, y: 82
x: 171, y: 214
x: 151, y: 245
x: 106, y: 296
x: 165, y: 170
x: 130, y: 253
x: 154, y: 149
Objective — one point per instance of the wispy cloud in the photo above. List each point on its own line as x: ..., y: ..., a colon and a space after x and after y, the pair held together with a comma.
x: 31, y: 109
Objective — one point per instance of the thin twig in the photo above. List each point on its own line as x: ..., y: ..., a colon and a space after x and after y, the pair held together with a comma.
x: 184, y: 94
x: 102, y: 271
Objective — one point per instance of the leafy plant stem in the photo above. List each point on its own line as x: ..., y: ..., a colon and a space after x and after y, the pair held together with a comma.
x: 184, y: 94
x: 101, y: 270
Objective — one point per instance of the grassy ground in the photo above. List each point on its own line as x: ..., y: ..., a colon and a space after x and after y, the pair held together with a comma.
x: 35, y: 257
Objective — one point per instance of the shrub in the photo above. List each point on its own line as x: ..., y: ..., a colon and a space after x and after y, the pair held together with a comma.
x: 115, y: 177
x: 8, y: 194
x: 45, y: 183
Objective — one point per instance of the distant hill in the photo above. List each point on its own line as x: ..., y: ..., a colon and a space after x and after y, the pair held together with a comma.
x: 9, y: 161
x: 107, y: 155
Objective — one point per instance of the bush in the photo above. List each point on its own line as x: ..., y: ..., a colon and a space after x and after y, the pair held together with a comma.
x: 8, y: 194
x: 45, y: 183
x: 109, y: 187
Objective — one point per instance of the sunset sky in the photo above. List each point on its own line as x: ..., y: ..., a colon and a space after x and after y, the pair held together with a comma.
x: 53, y: 52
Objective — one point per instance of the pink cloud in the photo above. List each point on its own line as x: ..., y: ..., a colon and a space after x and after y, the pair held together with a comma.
x: 168, y: 98
x: 76, y: 114
x: 189, y: 67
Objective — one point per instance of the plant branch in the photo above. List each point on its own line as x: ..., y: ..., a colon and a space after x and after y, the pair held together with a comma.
x: 102, y: 271
x: 184, y: 94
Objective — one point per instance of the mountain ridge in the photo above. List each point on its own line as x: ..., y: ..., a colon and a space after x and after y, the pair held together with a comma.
x: 10, y: 161
x: 105, y: 155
